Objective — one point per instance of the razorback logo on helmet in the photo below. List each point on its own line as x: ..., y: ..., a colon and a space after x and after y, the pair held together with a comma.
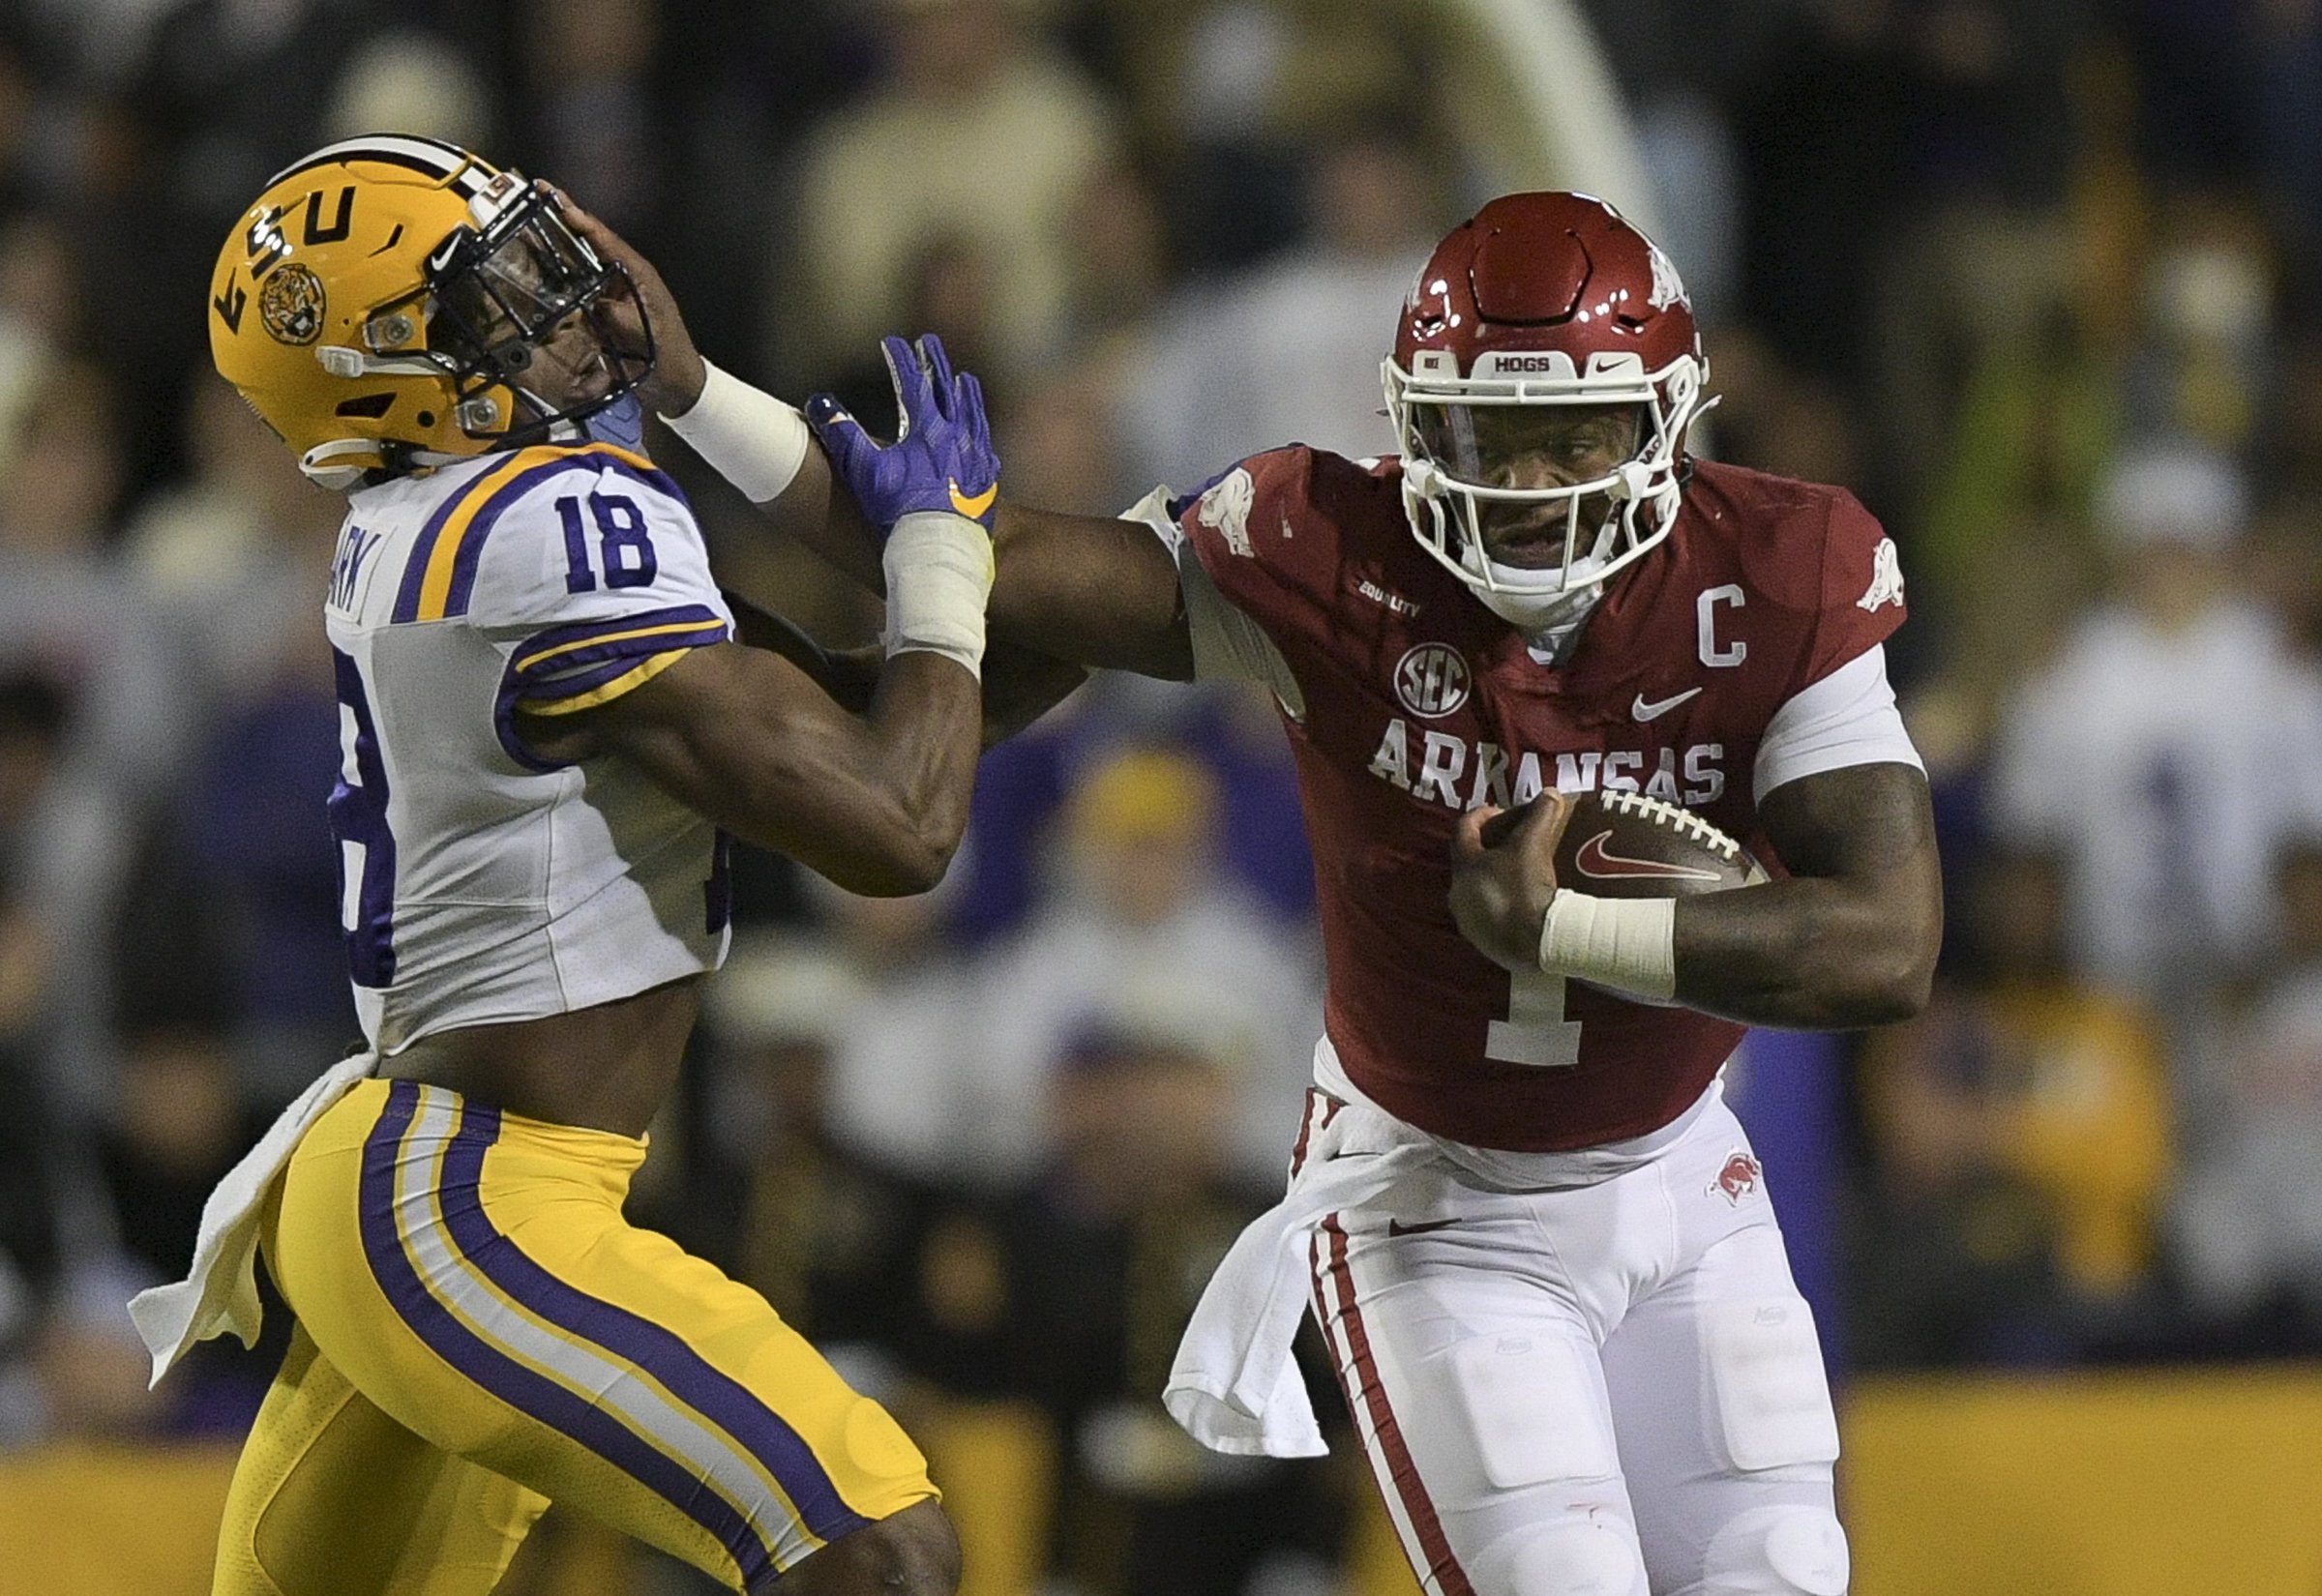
x: 1738, y: 1178
x: 1668, y: 288
x: 1886, y: 578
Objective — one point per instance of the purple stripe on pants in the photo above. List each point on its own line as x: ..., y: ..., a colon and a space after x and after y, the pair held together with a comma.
x: 681, y: 1370
x: 529, y: 1393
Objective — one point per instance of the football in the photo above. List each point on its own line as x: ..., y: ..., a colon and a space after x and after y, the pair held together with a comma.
x: 1625, y: 845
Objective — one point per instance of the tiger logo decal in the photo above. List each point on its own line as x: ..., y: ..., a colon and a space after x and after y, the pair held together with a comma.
x: 290, y: 303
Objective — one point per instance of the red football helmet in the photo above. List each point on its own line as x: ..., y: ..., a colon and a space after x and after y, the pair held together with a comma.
x: 1542, y: 299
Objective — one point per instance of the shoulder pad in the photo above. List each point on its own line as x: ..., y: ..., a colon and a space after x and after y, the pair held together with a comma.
x: 439, y: 580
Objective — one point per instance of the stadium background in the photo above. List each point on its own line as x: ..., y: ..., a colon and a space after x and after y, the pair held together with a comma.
x: 2037, y: 278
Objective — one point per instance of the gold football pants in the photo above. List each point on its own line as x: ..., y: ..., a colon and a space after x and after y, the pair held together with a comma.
x: 481, y: 1332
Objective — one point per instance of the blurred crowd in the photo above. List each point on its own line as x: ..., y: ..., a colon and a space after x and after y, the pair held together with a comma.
x: 2039, y: 280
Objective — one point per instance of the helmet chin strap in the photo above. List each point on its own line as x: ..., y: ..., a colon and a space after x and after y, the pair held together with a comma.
x: 625, y: 422
x: 1547, y: 620
x: 1549, y: 625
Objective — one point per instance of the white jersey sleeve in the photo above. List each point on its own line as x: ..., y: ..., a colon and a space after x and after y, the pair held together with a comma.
x: 1847, y: 718
x: 592, y: 573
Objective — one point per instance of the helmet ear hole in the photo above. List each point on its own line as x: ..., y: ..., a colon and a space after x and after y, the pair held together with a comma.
x: 369, y: 407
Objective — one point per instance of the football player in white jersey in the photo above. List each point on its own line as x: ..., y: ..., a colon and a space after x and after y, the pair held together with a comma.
x: 552, y: 722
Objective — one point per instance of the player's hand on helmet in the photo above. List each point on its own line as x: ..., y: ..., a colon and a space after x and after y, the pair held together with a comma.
x: 941, y: 460
x: 678, y: 372
x: 1504, y: 875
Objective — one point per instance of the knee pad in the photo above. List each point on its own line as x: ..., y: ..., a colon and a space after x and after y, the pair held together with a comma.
x: 1594, y: 1556
x: 1788, y: 1551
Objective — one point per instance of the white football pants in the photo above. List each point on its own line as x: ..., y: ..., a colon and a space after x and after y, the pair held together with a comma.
x: 1608, y: 1390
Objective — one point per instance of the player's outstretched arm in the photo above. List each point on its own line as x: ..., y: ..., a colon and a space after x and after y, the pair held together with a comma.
x: 875, y: 802
x: 749, y: 738
x: 1091, y: 589
x: 751, y: 438
x: 1085, y: 590
x: 1077, y: 594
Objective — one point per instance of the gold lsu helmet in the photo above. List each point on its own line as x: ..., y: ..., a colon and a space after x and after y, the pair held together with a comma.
x: 382, y: 301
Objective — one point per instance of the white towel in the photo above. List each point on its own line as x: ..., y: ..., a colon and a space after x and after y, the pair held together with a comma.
x: 220, y: 1291
x: 1234, y: 1386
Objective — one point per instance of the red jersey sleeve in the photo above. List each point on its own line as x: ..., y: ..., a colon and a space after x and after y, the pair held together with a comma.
x: 1861, y: 589
x: 1269, y: 535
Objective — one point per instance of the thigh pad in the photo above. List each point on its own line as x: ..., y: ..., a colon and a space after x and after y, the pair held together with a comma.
x: 1773, y: 1400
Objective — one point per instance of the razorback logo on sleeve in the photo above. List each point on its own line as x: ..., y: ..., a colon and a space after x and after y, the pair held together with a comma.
x: 1886, y: 578
x: 1226, y: 510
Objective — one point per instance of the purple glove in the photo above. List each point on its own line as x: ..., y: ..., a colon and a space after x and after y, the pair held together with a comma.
x: 942, y: 459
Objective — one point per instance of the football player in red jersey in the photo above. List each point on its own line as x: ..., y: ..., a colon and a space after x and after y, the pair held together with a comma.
x: 1535, y: 1236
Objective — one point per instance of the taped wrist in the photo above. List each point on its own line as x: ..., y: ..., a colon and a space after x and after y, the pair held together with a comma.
x: 745, y: 434
x: 1628, y: 944
x: 938, y: 575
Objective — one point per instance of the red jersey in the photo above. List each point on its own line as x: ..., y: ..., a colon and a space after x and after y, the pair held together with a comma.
x: 1420, y: 705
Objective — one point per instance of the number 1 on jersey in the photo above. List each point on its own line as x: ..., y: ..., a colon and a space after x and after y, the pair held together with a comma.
x: 1535, y: 1030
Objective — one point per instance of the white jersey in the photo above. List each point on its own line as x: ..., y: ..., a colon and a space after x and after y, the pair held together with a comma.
x: 479, y: 883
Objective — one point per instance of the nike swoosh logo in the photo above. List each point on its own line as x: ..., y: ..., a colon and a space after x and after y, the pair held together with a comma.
x: 1396, y: 1227
x: 1644, y: 711
x: 1593, y: 859
x: 973, y: 507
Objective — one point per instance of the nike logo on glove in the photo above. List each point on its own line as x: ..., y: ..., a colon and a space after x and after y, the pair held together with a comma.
x: 974, y: 508
x: 1644, y: 711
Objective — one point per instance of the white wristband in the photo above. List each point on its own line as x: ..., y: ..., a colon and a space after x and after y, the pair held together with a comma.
x: 938, y: 576
x: 1628, y: 944
x: 745, y: 434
